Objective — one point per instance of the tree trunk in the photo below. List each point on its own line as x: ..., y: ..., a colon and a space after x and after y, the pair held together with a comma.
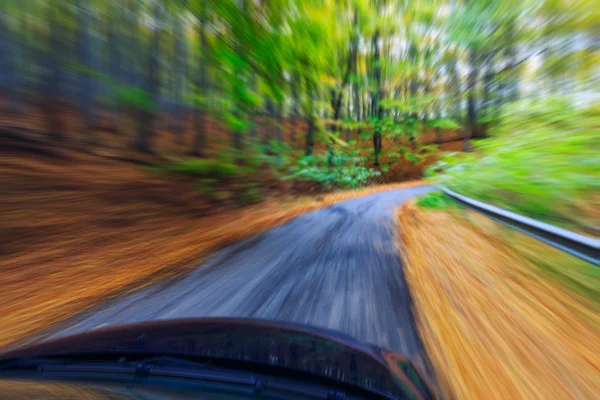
x: 255, y: 118
x: 130, y: 63
x: 237, y: 143
x: 84, y: 56
x: 151, y: 87
x: 377, y: 110
x: 488, y: 80
x: 471, y: 112
x: 202, y: 84
x: 181, y: 60
x: 52, y: 101
x: 348, y: 115
x: 330, y: 127
x: 512, y: 84
x: 438, y: 113
x: 279, y: 121
x: 359, y: 118
x: 310, y: 137
x: 413, y: 116
x: 454, y: 88
x: 426, y: 88
x: 19, y: 58
x: 270, y: 118
x: 296, y: 101
x: 9, y: 67
x: 116, y: 63
x: 337, y: 95
x: 357, y: 109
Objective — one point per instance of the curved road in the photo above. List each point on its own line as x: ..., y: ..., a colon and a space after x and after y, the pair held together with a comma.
x: 337, y: 267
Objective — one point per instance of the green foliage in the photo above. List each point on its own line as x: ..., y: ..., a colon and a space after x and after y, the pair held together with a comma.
x: 435, y: 200
x: 230, y: 59
x: 235, y: 123
x: 415, y: 156
x: 542, y: 161
x: 348, y: 171
x: 208, y: 188
x: 444, y: 123
x: 250, y: 194
x: 276, y: 156
x: 134, y: 99
x: 204, y: 169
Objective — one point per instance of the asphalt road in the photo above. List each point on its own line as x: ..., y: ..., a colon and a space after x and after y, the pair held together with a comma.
x: 337, y: 267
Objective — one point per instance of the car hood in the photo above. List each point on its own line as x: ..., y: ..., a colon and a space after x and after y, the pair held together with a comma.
x: 317, y: 351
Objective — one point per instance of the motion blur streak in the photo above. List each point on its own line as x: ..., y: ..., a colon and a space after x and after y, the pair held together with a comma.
x: 139, y: 137
x: 502, y: 315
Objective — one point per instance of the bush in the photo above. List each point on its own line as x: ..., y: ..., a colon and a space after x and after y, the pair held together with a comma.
x: 200, y: 168
x: 276, y: 156
x: 250, y: 195
x: 542, y: 161
x: 207, y: 187
x: 136, y: 99
x: 347, y: 171
x: 435, y: 200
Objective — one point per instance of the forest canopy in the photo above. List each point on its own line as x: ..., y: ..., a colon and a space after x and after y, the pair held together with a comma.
x: 331, y: 80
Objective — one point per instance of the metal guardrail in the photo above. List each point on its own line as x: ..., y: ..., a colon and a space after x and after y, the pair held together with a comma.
x: 581, y: 246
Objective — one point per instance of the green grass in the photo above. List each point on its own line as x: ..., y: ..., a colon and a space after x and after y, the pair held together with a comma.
x: 542, y: 161
x: 579, y: 276
x: 435, y: 200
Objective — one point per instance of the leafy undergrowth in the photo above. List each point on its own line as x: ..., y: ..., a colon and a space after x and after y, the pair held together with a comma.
x: 79, y: 230
x: 435, y: 200
x: 542, y: 161
x: 502, y: 315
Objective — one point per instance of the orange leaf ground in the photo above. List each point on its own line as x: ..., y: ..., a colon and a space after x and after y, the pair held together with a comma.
x: 502, y: 316
x: 78, y: 231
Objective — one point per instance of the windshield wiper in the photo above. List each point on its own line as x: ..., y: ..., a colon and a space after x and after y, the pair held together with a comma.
x: 162, y: 367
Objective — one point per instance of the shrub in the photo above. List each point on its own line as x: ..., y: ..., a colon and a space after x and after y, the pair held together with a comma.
x: 207, y: 187
x: 434, y: 200
x: 541, y: 161
x: 200, y: 168
x: 347, y: 171
x: 130, y: 98
x: 250, y: 195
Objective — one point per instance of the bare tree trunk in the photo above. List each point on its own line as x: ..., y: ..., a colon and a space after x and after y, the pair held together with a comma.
x: 270, y: 107
x: 348, y: 115
x: 454, y: 86
x: 53, y: 56
x: 279, y: 120
x: 237, y: 142
x: 9, y: 66
x: 488, y: 81
x: 471, y: 112
x: 179, y: 81
x: 310, y: 137
x: 84, y: 56
x: 116, y: 62
x: 296, y: 101
x: 512, y: 84
x: 438, y: 114
x: 337, y: 95
x: 254, y: 128
x: 151, y: 87
x: 357, y: 105
x: 202, y: 83
x: 376, y: 109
